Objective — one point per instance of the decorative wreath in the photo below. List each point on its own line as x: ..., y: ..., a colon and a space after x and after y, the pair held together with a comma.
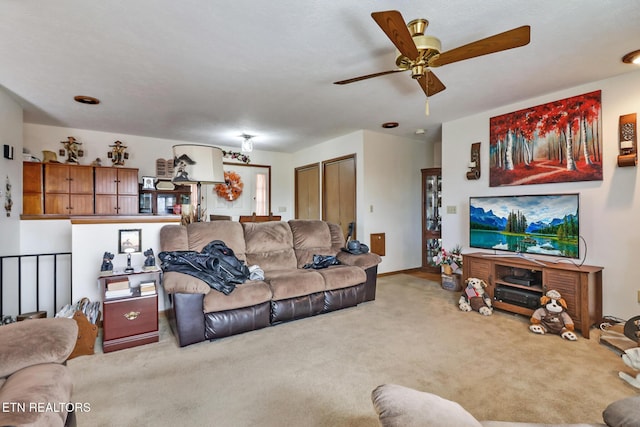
x: 232, y: 188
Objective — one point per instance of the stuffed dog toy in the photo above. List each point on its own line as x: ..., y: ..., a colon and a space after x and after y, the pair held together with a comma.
x: 552, y: 317
x: 474, y: 297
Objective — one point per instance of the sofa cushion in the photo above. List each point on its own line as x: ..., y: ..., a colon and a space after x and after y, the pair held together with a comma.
x: 38, y: 384
x: 310, y: 237
x: 203, y: 233
x: 623, y: 412
x: 36, y: 341
x: 174, y: 237
x: 175, y: 282
x: 246, y: 294
x: 361, y: 260
x: 269, y: 245
x: 399, y: 406
x: 294, y: 283
x: 342, y: 276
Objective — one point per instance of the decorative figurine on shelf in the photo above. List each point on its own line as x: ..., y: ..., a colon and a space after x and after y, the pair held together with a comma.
x: 97, y: 162
x: 72, y: 146
x: 150, y: 260
x: 552, y: 317
x: 107, y: 266
x: 118, y: 153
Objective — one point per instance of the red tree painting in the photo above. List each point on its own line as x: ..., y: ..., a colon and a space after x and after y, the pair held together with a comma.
x: 555, y: 142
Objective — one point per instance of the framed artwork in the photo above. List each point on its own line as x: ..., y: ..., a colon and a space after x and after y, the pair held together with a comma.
x: 130, y: 239
x: 148, y: 183
x: 560, y: 141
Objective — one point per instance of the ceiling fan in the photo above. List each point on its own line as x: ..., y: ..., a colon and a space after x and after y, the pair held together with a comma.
x: 419, y: 53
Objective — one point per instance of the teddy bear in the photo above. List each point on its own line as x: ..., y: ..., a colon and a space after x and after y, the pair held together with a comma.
x: 474, y: 297
x: 552, y: 317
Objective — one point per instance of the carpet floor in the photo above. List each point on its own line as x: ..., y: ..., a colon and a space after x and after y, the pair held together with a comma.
x: 320, y: 371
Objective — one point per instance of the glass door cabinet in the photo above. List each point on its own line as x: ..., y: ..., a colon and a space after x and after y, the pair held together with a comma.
x: 431, y: 219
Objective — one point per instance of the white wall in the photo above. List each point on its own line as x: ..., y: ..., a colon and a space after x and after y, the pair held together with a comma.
x: 609, y: 209
x: 10, y: 134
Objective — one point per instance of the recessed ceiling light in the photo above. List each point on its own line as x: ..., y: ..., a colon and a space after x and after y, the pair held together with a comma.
x: 390, y: 125
x: 632, y: 57
x: 83, y: 99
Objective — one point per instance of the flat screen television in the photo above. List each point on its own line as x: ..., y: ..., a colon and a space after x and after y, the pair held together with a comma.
x: 545, y: 224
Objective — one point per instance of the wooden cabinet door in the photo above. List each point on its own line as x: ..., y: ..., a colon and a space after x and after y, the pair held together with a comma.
x: 80, y: 179
x: 106, y: 204
x: 128, y: 182
x: 568, y: 284
x: 106, y: 181
x: 32, y: 177
x: 81, y: 204
x: 56, y: 204
x: 32, y: 200
x: 56, y: 178
x: 127, y: 205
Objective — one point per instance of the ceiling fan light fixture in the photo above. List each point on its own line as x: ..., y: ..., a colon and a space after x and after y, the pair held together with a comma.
x: 632, y: 58
x: 417, y: 26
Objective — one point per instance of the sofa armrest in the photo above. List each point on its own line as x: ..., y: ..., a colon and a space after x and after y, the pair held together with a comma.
x: 362, y: 260
x: 175, y: 282
x: 399, y: 406
x: 35, y: 341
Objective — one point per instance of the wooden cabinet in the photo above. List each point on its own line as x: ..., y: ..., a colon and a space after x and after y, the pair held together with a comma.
x: 116, y: 191
x: 431, y: 219
x: 68, y: 189
x: 32, y: 196
x: 516, y: 284
x: 161, y: 202
x: 133, y: 320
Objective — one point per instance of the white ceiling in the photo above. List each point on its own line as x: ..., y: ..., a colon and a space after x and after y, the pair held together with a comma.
x: 207, y: 71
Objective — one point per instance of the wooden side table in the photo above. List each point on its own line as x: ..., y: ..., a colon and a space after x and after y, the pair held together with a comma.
x: 130, y: 321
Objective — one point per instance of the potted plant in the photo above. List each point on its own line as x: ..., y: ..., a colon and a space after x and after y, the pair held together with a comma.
x: 450, y: 261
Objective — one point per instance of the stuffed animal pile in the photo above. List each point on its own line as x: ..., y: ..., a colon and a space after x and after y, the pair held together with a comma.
x: 552, y: 317
x: 474, y: 297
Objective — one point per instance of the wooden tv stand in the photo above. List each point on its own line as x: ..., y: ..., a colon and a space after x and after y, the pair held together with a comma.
x: 514, y: 282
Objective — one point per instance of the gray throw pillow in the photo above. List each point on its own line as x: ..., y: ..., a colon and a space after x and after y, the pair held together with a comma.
x: 399, y: 406
x: 623, y: 413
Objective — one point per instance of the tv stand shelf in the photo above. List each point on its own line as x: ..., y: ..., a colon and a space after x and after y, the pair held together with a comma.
x: 516, y: 284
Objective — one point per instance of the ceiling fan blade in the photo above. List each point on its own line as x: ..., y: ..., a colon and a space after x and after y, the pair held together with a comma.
x: 395, y: 28
x: 430, y: 84
x: 509, y: 39
x: 368, y: 76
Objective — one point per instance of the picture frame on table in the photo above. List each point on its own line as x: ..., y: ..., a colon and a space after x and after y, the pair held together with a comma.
x: 130, y: 240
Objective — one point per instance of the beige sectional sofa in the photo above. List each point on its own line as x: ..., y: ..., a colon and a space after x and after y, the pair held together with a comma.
x: 287, y: 292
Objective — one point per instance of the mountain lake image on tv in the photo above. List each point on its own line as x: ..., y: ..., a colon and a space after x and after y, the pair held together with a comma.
x: 540, y: 224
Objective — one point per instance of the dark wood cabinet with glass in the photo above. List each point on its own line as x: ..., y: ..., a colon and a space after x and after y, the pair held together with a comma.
x: 431, y: 219
x: 163, y: 202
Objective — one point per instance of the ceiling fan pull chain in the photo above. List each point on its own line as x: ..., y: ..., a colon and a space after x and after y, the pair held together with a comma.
x: 426, y: 107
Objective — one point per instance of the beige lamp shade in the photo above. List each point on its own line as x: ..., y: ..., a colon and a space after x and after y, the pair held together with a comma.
x: 197, y: 164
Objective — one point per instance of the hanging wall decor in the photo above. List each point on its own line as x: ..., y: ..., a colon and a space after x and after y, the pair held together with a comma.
x: 560, y: 141
x: 232, y: 188
x: 8, y: 202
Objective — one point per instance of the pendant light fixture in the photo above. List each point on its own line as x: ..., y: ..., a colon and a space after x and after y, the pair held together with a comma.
x: 247, y: 144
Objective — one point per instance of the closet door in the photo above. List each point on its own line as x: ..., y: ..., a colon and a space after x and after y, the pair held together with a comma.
x: 307, y: 181
x: 339, y: 191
